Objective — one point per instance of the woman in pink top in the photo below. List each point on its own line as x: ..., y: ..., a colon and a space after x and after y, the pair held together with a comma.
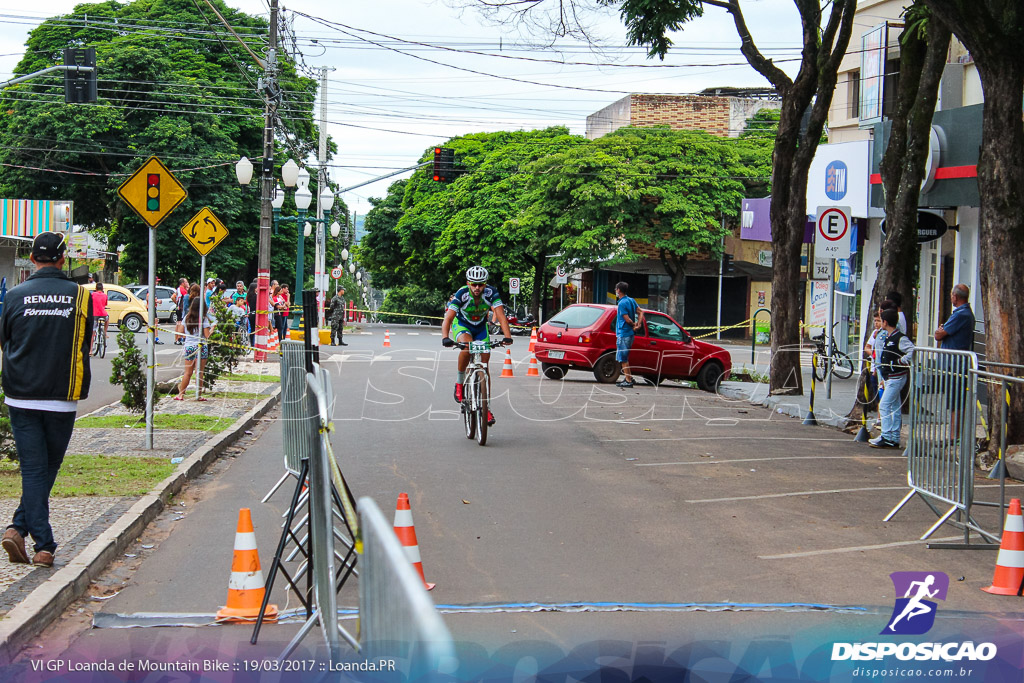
x: 99, y: 309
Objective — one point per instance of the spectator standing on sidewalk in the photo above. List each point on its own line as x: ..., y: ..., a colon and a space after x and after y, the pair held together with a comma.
x: 894, y: 367
x: 280, y: 302
x: 897, y: 301
x: 957, y: 333
x: 181, y: 309
x: 44, y: 334
x: 627, y: 321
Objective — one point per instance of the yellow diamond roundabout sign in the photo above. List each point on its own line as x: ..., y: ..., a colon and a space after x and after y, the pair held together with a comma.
x: 153, y: 192
x: 204, y: 231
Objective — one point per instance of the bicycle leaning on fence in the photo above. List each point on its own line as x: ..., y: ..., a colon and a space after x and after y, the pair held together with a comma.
x: 836, y: 362
x: 476, y: 389
x: 99, y: 337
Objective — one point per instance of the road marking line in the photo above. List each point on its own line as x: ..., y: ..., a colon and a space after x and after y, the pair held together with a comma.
x: 413, y: 334
x: 855, y: 548
x: 783, y: 457
x: 723, y: 438
x: 796, y: 493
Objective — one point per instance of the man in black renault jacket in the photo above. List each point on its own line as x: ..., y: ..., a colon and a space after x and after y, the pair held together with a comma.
x: 44, y: 333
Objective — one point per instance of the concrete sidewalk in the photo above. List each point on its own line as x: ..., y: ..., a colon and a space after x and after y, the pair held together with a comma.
x: 91, y: 531
x: 829, y: 410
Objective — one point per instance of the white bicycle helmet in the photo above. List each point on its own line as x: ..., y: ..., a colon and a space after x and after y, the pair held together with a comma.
x: 476, y: 274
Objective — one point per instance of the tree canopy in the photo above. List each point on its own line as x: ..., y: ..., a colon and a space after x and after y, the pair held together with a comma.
x: 522, y: 197
x: 172, y: 83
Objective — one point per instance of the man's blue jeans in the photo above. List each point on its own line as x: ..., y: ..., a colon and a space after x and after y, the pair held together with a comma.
x: 42, y: 438
x: 889, y: 408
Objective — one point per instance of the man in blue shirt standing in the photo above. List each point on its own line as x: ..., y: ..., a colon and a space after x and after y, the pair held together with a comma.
x: 957, y: 333
x: 628, y: 320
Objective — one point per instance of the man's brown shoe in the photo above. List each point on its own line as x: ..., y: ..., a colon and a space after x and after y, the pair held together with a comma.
x: 14, y: 544
x: 44, y: 558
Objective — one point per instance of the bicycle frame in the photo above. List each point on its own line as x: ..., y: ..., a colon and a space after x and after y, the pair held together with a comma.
x: 475, y: 400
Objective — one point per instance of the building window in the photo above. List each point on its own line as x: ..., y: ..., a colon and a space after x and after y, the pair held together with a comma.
x: 892, y: 84
x: 853, y: 95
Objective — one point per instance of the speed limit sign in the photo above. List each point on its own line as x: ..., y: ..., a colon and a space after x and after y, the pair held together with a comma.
x: 336, y: 273
x: 513, y: 285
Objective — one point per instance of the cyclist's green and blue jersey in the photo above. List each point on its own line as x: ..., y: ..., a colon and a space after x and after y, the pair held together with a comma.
x: 470, y: 314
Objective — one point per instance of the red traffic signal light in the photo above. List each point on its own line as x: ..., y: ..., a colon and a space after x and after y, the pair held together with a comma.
x: 152, y: 192
x: 444, y: 164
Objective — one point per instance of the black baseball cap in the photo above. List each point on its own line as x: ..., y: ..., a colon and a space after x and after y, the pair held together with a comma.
x: 48, y: 247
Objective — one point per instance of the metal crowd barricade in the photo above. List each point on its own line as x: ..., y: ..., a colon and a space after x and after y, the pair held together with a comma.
x: 397, y: 619
x: 1005, y: 381
x: 940, y: 451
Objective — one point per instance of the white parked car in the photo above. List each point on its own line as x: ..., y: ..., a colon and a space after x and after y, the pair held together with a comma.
x: 166, y: 309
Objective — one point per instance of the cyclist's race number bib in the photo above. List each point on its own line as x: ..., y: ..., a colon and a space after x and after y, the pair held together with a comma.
x: 478, y: 347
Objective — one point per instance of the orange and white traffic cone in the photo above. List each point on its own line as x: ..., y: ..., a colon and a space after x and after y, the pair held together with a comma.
x: 272, y: 342
x: 532, y: 371
x: 1009, y: 574
x: 245, y: 587
x: 387, y: 337
x: 506, y: 369
x: 406, y: 533
x: 533, y: 340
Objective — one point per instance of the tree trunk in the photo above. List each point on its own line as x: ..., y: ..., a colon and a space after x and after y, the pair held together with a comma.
x: 921, y: 65
x: 991, y: 30
x: 1000, y: 179
x: 538, y: 286
x: 675, y: 267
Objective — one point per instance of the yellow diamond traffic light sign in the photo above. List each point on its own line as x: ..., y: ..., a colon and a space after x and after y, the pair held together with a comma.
x: 153, y: 192
x: 204, y: 231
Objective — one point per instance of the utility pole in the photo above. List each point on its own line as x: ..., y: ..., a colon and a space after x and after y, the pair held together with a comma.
x: 319, y: 279
x: 270, y: 90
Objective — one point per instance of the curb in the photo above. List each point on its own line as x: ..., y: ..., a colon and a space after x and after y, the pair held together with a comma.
x: 26, y: 620
x: 782, y: 405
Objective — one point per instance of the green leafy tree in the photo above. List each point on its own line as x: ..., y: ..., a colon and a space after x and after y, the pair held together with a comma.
x: 415, y: 301
x: 640, y: 190
x: 172, y: 85
x: 226, y: 345
x: 8, y: 450
x: 427, y: 233
x: 128, y: 369
x: 826, y: 26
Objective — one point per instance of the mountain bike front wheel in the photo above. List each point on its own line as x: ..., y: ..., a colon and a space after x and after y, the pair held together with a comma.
x: 468, y: 414
x: 481, y: 408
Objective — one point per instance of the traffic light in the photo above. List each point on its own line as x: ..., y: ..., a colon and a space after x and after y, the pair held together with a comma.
x: 79, y: 86
x: 727, y: 265
x: 152, y: 192
x: 444, y: 164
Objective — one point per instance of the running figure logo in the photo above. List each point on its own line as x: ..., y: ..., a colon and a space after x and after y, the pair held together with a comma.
x: 914, y: 613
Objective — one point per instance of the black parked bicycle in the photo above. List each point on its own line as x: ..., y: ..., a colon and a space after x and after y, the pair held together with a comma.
x: 836, y: 362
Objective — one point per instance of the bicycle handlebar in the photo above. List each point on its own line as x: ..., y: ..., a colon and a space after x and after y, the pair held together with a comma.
x: 465, y: 347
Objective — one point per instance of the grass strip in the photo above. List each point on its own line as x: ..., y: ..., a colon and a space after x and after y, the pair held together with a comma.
x: 94, y: 475
x: 250, y: 378
x: 244, y: 395
x: 204, y: 423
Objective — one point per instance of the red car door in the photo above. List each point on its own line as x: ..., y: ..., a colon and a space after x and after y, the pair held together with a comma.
x: 669, y: 350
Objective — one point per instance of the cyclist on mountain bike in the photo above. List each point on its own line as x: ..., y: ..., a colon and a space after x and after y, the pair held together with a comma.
x: 466, y: 321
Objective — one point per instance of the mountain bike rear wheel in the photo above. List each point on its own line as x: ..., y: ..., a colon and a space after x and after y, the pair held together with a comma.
x: 842, y: 366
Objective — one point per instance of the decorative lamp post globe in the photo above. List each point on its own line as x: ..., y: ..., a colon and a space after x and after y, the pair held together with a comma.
x: 290, y: 173
x: 335, y: 229
x: 278, y: 201
x: 351, y: 267
x: 327, y: 200
x: 344, y: 255
x: 243, y: 171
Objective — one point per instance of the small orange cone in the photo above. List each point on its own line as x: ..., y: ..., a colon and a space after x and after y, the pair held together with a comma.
x: 245, y: 587
x: 1009, y: 575
x: 387, y: 337
x: 506, y: 369
x: 406, y: 533
x: 532, y: 370
x: 533, y: 340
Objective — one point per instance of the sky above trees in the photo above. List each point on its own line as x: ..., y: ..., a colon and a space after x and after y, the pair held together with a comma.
x: 385, y: 103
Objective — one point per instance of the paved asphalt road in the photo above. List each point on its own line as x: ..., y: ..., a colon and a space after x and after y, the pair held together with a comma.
x: 585, y: 493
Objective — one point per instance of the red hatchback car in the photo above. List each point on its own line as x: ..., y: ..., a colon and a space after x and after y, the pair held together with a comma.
x: 582, y: 337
